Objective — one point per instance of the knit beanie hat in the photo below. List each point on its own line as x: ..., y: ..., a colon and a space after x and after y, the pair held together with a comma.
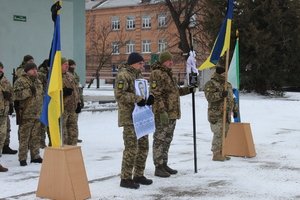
x: 1, y: 65
x: 71, y: 62
x: 27, y: 58
x: 164, y: 56
x: 220, y: 70
x: 134, y: 58
x: 29, y: 66
x: 63, y: 60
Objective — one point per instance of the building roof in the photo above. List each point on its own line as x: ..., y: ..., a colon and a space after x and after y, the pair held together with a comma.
x: 98, y: 4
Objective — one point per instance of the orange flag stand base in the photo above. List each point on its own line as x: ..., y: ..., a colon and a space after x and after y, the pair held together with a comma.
x: 239, y: 141
x: 63, y: 175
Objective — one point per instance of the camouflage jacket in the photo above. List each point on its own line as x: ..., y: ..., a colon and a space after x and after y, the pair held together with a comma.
x: 213, y: 92
x: 43, y: 76
x: 5, y: 86
x: 70, y: 102
x: 125, y: 93
x: 77, y: 80
x: 30, y: 104
x: 20, y: 70
x: 166, y: 91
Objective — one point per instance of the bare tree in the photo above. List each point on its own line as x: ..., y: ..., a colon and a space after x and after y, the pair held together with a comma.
x: 99, y: 46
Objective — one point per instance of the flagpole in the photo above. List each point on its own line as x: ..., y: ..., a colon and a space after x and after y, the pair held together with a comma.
x: 225, y: 102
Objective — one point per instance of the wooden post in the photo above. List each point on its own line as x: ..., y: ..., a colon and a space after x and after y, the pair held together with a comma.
x: 63, y: 175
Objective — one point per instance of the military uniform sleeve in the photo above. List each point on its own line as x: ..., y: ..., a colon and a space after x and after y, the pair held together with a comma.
x: 122, y: 90
x: 21, y: 91
x: 212, y: 93
x: 157, y: 86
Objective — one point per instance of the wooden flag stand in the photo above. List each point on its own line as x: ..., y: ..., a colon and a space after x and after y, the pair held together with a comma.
x: 63, y: 175
x: 239, y: 141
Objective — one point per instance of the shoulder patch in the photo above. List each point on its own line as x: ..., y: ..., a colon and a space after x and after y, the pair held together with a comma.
x: 120, y: 84
x: 153, y: 85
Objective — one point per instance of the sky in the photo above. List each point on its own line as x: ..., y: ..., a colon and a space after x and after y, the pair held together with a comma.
x: 274, y: 173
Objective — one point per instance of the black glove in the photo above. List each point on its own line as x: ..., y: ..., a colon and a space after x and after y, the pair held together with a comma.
x: 78, y: 109
x: 67, y: 91
x: 11, y: 109
x: 6, y: 95
x: 141, y: 102
x: 150, y: 100
x: 192, y: 89
x: 33, y: 90
x: 224, y: 94
x: 235, y: 114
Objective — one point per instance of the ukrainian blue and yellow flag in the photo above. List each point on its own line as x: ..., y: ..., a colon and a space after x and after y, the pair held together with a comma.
x: 52, y: 105
x: 223, y: 40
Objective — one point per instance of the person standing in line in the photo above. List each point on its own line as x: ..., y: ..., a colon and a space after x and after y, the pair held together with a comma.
x: 28, y: 91
x: 6, y: 84
x: 215, y: 93
x: 72, y: 67
x: 5, y: 100
x: 72, y: 107
x: 166, y: 109
x: 136, y: 150
x: 20, y: 69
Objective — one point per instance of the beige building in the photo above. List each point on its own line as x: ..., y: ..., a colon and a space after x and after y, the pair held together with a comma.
x: 116, y: 28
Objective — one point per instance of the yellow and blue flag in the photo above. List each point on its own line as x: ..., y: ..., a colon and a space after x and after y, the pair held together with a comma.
x: 52, y: 105
x: 223, y: 40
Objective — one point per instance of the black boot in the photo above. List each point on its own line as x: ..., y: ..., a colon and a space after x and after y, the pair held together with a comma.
x: 129, y: 183
x: 170, y: 170
x: 23, y: 163
x: 37, y: 160
x: 142, y: 180
x: 161, y: 172
x: 7, y: 150
x: 3, y: 169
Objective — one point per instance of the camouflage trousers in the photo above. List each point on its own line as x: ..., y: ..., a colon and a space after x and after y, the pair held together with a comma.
x: 7, y: 140
x: 162, y: 139
x: 29, y: 139
x: 3, y: 130
x: 217, y: 129
x: 70, y: 128
x: 135, y: 153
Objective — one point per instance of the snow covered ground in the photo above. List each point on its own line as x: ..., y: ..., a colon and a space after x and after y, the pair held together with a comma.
x: 273, y: 174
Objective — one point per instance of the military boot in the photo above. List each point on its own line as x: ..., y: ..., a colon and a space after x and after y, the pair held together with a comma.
x: 161, y: 172
x: 3, y: 169
x: 218, y: 157
x: 142, y: 180
x: 37, y: 160
x: 129, y: 183
x: 7, y: 150
x: 169, y: 169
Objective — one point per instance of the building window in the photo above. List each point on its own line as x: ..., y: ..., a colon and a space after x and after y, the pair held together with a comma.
x: 162, y: 20
x: 146, y: 20
x: 130, y: 22
x: 162, y: 45
x: 146, y: 46
x: 115, y: 48
x: 115, y: 23
x: 130, y: 46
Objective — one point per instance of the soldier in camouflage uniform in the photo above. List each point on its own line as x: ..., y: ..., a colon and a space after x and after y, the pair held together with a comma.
x: 5, y: 99
x: 72, y: 67
x: 20, y: 69
x: 43, y: 70
x: 72, y: 105
x: 28, y: 91
x: 215, y: 93
x: 136, y: 150
x: 6, y: 84
x: 166, y: 109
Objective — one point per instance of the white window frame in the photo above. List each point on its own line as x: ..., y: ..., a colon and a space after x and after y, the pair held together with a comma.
x: 146, y: 21
x: 162, y: 45
x: 146, y: 46
x: 115, y: 48
x: 130, y: 47
x: 130, y: 23
x: 162, y: 20
x: 115, y: 23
